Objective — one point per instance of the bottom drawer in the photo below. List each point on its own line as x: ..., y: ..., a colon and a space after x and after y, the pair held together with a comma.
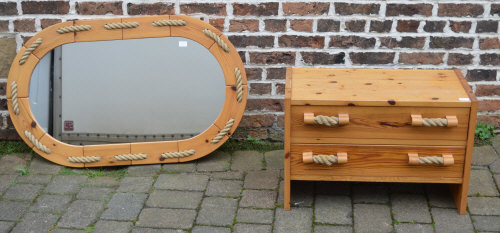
x: 378, y: 163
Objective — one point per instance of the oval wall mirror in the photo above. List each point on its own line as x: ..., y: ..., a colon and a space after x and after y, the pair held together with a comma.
x: 142, y: 90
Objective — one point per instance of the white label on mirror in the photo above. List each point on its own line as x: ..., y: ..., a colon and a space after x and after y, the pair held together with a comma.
x: 183, y: 43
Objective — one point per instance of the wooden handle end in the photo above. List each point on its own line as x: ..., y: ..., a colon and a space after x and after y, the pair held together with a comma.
x: 341, y: 157
x: 307, y: 157
x: 448, y: 160
x: 343, y: 118
x: 308, y: 118
x: 413, y: 159
x: 416, y: 120
x: 452, y: 121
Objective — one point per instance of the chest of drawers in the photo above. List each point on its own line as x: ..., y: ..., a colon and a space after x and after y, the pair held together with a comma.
x: 379, y: 125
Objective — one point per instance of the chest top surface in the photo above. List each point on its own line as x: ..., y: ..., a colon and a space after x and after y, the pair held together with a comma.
x: 377, y: 87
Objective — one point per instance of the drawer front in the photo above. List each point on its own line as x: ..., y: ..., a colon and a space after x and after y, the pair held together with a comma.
x: 378, y: 123
x: 374, y: 161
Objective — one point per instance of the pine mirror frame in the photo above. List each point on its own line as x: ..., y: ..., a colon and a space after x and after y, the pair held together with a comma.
x: 126, y: 153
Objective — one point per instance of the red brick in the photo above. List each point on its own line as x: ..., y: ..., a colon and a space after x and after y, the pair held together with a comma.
x: 434, y: 26
x: 301, y: 25
x: 451, y: 42
x: 253, y: 73
x: 305, y: 8
x: 280, y: 88
x: 356, y: 9
x: 460, y: 10
x: 251, y: 25
x: 489, y: 43
x: 151, y: 9
x: 407, y: 25
x: 495, y: 9
x: 404, y: 42
x: 261, y: 9
x: 3, y: 104
x: 217, y: 23
x: 380, y: 26
x: 3, y: 87
x: 25, y: 39
x: 269, y: 58
x: 460, y: 26
x: 322, y: 58
x: 262, y: 120
x: 256, y: 41
x: 99, y: 8
x: 206, y: 8
x: 490, y: 120
x: 488, y: 105
x: 328, y: 25
x: 242, y: 56
x: 355, y: 25
x: 4, y: 25
x: 492, y: 59
x: 8, y: 8
x: 265, y: 104
x: 242, y: 133
x: 408, y: 9
x: 9, y: 134
x: 487, y: 26
x: 351, y: 41
x: 275, y: 25
x: 372, y: 58
x: 260, y: 88
x: 48, y: 22
x: 481, y: 75
x: 276, y: 73
x: 460, y: 59
x: 487, y: 90
x: 24, y: 25
x: 45, y: 7
x: 301, y: 41
x: 421, y: 58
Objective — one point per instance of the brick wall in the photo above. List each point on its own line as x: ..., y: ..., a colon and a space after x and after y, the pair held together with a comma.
x: 271, y: 35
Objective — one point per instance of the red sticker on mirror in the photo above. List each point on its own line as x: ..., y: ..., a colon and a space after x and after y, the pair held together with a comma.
x: 68, y: 125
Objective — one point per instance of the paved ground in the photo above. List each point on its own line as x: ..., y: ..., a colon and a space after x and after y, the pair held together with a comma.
x: 238, y: 192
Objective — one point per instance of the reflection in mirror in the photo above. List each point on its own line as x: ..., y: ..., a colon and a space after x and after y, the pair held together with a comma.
x: 138, y: 90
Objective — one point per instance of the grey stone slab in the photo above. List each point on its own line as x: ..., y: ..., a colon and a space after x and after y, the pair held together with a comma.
x: 63, y: 230
x: 484, y: 205
x: 48, y: 203
x: 36, y: 222
x: 302, y: 193
x: 247, y: 161
x: 481, y: 183
x: 372, y: 218
x: 9, y: 163
x: 248, y: 215
x: 152, y: 230
x: 411, y: 228
x: 262, y: 179
x: 449, y: 221
x: 333, y: 209
x: 331, y: 229
x: 34, y: 179
x: 6, y: 226
x: 104, y: 226
x: 22, y: 192
x: 42, y: 166
x: 174, y: 199
x: 370, y: 193
x: 483, y: 155
x: 192, y: 182
x: 294, y: 220
x: 81, y: 213
x: 226, y: 188
x: 410, y: 208
x: 103, y: 181
x: 252, y: 228
x: 495, y: 166
x: 406, y: 188
x: 217, y: 211
x: 5, y: 181
x: 331, y: 188
x: 144, y: 170
x: 12, y: 210
x: 229, y: 175
x: 216, y: 161
x: 208, y: 229
x: 178, y: 167
x: 166, y: 218
x: 258, y: 198
x: 497, y: 179
x: 440, y: 195
x: 274, y: 159
x: 135, y: 185
x: 94, y: 193
x: 486, y: 223
x: 124, y: 206
x: 65, y: 184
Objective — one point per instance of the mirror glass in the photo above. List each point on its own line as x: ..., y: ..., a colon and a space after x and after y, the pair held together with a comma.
x: 137, y: 90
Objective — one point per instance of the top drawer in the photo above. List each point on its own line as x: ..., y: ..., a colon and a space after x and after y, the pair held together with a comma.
x: 379, y: 123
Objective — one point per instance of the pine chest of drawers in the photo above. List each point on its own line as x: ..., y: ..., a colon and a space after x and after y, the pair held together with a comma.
x: 379, y: 125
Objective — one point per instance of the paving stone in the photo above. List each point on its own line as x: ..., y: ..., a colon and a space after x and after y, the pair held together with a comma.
x: 135, y: 185
x: 484, y: 205
x: 258, y: 198
x: 481, y: 183
x: 333, y: 209
x: 65, y: 184
x: 36, y: 222
x: 247, y: 161
x: 294, y: 220
x: 302, y: 193
x: 62, y: 230
x: 274, y: 159
x: 495, y: 166
x: 262, y: 179
x: 144, y: 170
x: 497, y: 179
x: 449, y: 221
x: 174, y: 199
x: 179, y: 167
x: 12, y: 210
x: 103, y: 181
x: 22, y: 192
x: 440, y: 195
x: 48, y: 203
x: 248, y: 215
x: 331, y: 188
x: 496, y: 143
x: 103, y: 226
x: 92, y: 193
x: 6, y: 226
x: 124, y: 206
x: 217, y: 211
x: 252, y: 228
x: 330, y: 229
x: 34, y: 179
x: 406, y: 188
x: 410, y: 208
x: 486, y: 223
x: 216, y: 161
x: 229, y: 175
x: 226, y: 188
x: 182, y: 182
x: 42, y: 166
x: 372, y: 218
x: 152, y: 230
x: 9, y: 163
x: 483, y: 155
x: 81, y: 213
x: 207, y: 229
x: 166, y: 218
x: 5, y: 182
x: 370, y: 193
x: 411, y: 228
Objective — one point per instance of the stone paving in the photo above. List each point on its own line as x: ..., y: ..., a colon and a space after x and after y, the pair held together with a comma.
x: 233, y: 192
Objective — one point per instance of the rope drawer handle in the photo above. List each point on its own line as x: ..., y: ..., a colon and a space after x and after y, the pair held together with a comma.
x: 328, y: 160
x: 445, y: 159
x: 449, y: 121
x: 310, y: 119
